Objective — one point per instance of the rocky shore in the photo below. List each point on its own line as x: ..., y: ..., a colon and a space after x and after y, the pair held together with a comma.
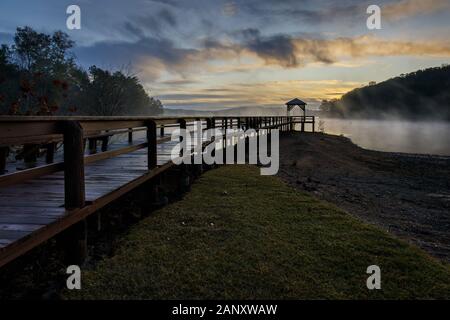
x: 406, y: 194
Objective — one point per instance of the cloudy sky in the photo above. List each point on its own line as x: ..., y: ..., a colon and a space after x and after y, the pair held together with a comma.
x: 215, y: 54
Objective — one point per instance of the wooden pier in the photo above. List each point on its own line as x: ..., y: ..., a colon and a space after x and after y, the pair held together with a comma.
x: 60, y: 177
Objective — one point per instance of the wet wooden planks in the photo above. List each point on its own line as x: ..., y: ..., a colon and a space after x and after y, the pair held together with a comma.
x: 34, y: 204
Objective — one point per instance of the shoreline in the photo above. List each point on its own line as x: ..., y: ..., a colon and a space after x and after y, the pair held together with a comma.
x: 405, y: 194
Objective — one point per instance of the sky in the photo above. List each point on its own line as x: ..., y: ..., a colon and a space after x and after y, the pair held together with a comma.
x: 217, y: 54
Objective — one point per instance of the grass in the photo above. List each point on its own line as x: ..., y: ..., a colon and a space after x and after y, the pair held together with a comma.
x: 239, y: 235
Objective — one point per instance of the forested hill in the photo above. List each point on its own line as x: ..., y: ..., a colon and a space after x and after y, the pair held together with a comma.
x: 424, y: 94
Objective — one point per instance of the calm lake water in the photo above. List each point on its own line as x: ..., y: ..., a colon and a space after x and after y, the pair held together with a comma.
x: 394, y: 136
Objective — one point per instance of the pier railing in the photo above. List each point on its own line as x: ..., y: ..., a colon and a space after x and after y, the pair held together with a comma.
x: 79, y: 137
x: 52, y: 154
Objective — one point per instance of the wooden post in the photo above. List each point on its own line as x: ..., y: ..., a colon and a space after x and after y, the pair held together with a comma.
x: 130, y: 135
x: 3, y: 156
x: 224, y: 140
x: 161, y: 130
x: 314, y: 124
x: 182, y: 123
x: 30, y: 155
x: 105, y: 143
x: 74, y: 189
x: 75, y: 243
x: 152, y: 160
x: 257, y: 138
x: 92, y: 145
x: 213, y: 126
x: 208, y: 123
x: 49, y: 157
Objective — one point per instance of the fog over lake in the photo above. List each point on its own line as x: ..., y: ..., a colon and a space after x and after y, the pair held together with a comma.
x: 394, y: 135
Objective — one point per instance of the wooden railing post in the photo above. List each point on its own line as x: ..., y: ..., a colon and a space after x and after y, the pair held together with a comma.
x: 152, y: 144
x: 182, y: 123
x: 92, y: 145
x: 130, y: 135
x: 224, y: 141
x: 3, y: 155
x: 105, y: 141
x: 258, y: 124
x: 161, y: 130
x: 30, y: 152
x: 74, y: 188
x: 50, y: 155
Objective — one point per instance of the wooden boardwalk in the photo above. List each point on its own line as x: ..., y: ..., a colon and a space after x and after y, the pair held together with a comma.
x: 40, y: 202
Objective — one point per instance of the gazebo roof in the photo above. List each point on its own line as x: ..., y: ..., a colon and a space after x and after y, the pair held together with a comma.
x: 296, y: 102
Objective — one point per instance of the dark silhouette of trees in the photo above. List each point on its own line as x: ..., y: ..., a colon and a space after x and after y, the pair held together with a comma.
x: 111, y: 94
x: 39, y: 76
x: 420, y: 95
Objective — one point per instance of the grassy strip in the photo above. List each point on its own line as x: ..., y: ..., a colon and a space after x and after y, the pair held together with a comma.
x: 241, y: 235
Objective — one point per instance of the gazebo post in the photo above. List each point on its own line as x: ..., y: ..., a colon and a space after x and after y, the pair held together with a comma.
x: 297, y: 102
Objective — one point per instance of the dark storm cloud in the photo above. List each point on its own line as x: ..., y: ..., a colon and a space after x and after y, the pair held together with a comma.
x: 277, y: 48
x: 157, y: 41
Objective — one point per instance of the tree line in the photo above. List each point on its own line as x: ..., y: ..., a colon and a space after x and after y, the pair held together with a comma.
x: 39, y: 76
x: 420, y: 95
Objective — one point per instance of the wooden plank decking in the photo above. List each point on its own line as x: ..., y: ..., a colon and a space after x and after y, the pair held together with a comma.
x: 31, y: 207
x: 34, y: 210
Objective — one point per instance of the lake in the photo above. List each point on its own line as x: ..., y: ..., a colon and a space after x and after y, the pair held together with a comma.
x: 394, y: 136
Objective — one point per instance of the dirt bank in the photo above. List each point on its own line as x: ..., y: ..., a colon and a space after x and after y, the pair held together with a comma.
x: 406, y: 194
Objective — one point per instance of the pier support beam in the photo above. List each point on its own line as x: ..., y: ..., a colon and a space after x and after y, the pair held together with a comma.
x: 75, y: 243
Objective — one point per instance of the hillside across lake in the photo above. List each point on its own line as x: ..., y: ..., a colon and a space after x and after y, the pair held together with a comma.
x: 420, y: 95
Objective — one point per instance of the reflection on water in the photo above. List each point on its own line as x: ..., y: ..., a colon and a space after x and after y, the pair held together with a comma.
x: 394, y: 136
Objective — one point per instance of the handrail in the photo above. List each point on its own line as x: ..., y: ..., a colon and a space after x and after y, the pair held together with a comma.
x: 29, y: 130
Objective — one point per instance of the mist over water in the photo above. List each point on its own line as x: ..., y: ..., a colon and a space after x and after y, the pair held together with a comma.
x: 394, y: 135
